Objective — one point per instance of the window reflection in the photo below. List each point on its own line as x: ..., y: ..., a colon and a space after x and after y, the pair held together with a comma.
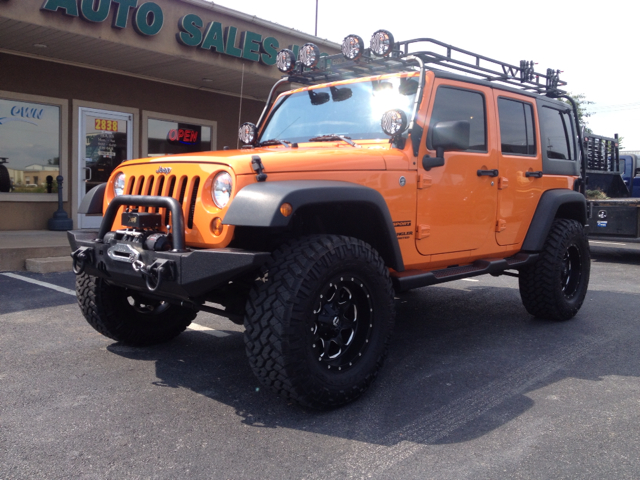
x: 29, y: 147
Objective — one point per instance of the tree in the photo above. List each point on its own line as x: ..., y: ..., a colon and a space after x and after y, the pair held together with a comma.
x: 583, y: 114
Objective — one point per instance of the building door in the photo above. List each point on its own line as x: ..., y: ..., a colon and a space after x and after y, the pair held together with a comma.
x: 105, y: 141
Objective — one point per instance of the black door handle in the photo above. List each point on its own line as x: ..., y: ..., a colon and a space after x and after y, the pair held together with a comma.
x: 533, y: 174
x: 488, y: 173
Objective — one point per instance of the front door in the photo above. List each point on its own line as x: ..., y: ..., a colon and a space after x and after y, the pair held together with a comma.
x: 457, y: 201
x: 105, y: 141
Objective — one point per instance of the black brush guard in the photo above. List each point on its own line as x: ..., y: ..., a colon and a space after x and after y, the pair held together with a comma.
x: 178, y: 274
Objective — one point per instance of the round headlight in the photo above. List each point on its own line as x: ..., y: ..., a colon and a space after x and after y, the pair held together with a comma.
x: 394, y: 122
x: 221, y: 189
x: 286, y: 61
x: 247, y: 133
x: 118, y: 184
x: 309, y: 55
x: 382, y: 43
x: 352, y: 47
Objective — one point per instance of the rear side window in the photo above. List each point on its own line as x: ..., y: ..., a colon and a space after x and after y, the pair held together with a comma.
x: 558, y: 134
x: 454, y: 104
x: 516, y: 127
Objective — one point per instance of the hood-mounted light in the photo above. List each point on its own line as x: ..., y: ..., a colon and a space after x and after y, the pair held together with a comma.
x: 247, y: 133
x: 394, y: 123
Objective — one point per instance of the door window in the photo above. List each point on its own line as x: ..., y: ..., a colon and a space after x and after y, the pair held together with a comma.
x: 516, y: 127
x: 454, y: 104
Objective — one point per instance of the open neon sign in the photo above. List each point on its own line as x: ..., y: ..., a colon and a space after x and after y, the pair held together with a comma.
x: 185, y: 136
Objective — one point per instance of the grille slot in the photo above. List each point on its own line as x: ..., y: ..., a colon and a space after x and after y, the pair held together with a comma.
x: 192, y: 204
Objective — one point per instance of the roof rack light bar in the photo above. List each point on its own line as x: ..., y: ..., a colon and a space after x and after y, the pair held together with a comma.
x: 337, y: 67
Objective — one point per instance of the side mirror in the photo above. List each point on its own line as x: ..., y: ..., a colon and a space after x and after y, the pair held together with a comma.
x: 447, y: 136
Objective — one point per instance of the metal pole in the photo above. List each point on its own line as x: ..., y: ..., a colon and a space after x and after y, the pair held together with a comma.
x: 316, y: 34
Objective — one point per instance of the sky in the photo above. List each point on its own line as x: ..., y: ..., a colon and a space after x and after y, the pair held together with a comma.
x: 595, y: 45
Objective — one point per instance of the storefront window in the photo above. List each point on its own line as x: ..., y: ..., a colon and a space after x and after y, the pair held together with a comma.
x: 168, y: 138
x: 29, y: 147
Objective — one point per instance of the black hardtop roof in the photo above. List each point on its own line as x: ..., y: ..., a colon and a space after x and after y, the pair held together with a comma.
x: 488, y: 71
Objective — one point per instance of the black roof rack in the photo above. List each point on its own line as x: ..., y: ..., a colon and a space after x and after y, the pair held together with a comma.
x: 337, y: 67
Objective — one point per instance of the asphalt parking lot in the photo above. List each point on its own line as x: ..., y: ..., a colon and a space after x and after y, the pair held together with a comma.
x: 473, y: 388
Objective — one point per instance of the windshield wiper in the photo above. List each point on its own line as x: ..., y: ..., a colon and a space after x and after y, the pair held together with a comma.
x: 334, y: 136
x: 274, y: 141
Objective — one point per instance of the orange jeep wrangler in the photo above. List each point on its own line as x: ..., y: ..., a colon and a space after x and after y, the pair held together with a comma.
x: 380, y: 170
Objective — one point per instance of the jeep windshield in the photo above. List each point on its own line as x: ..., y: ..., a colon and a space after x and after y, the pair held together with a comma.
x: 351, y: 110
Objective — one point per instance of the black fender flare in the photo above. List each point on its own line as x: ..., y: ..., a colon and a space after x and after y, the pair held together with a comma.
x: 258, y: 205
x: 92, y: 202
x: 557, y: 203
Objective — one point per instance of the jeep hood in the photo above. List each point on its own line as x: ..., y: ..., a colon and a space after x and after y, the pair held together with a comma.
x: 281, y: 159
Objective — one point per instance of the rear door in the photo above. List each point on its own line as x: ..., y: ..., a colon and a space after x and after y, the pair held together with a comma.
x: 520, y: 166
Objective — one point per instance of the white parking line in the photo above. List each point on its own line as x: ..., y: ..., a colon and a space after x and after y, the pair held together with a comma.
x: 211, y: 331
x: 194, y: 326
x: 42, y: 284
x: 606, y: 243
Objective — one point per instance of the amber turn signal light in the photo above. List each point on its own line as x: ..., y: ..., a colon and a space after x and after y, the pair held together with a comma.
x: 216, y: 226
x: 286, y: 209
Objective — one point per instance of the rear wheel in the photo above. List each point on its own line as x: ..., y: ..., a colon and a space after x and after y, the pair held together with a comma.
x: 556, y: 285
x: 127, y: 316
x: 318, y: 321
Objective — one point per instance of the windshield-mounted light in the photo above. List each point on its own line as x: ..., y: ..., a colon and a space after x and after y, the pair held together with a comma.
x: 118, y: 184
x: 221, y: 189
x: 309, y: 55
x: 247, y: 133
x: 352, y: 47
x: 286, y: 61
x: 394, y: 122
x: 382, y: 43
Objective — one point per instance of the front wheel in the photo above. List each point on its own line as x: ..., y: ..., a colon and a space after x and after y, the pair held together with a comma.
x: 319, y: 319
x: 556, y: 285
x: 127, y: 316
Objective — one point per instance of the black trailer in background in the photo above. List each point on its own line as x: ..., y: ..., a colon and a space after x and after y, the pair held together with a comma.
x: 614, y: 211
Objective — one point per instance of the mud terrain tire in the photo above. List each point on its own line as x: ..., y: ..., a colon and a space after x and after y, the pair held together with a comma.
x: 555, y: 286
x: 127, y: 317
x: 318, y: 321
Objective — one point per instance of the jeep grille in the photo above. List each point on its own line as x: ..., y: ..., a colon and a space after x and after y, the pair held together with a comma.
x: 184, y: 189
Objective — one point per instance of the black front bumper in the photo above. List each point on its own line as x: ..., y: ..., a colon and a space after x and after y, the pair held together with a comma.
x: 194, y: 273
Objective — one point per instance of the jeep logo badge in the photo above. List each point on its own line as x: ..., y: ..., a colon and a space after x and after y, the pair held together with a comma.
x: 163, y: 170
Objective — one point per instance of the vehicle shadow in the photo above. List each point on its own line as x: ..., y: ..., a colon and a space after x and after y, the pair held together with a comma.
x: 461, y: 364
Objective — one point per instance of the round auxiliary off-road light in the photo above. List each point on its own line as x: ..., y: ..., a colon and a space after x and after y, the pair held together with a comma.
x: 352, y: 47
x: 394, y: 122
x: 286, y: 61
x: 382, y: 43
x: 247, y: 133
x: 309, y: 55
